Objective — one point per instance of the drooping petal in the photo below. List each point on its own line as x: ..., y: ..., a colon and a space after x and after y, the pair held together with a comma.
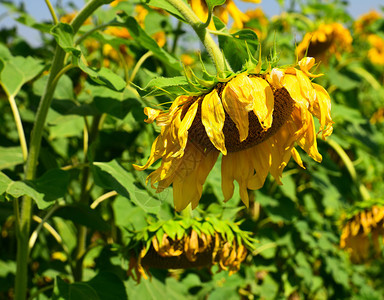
x: 306, y: 64
x: 157, y: 151
x: 191, y: 175
x: 235, y: 166
x: 186, y: 124
x: 276, y: 78
x: 237, y: 102
x: 297, y: 158
x: 306, y: 87
x: 293, y: 87
x: 260, y: 156
x: 152, y: 114
x: 213, y: 117
x: 308, y: 142
x: 322, y: 110
x: 263, y: 102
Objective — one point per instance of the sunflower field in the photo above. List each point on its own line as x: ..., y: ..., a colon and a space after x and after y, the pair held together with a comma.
x: 191, y: 149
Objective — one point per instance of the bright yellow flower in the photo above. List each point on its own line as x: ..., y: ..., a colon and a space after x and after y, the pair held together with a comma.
x: 253, y: 120
x: 378, y: 116
x: 365, y: 20
x: 223, y: 12
x: 376, y: 53
x: 361, y: 234
x: 327, y: 40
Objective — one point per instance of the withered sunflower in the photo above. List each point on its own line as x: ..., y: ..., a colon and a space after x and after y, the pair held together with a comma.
x: 326, y: 40
x: 362, y: 233
x: 254, y: 120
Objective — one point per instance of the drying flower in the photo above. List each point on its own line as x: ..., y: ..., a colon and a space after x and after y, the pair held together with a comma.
x: 362, y: 233
x: 254, y: 120
x: 327, y: 40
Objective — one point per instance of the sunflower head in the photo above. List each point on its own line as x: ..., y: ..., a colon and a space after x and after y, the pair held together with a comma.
x: 376, y: 53
x: 254, y: 119
x: 327, y: 40
x: 188, y: 243
x: 363, y: 231
x: 364, y: 21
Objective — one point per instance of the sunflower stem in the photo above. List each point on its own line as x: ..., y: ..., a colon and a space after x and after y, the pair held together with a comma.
x: 350, y: 167
x: 25, y: 213
x: 202, y: 32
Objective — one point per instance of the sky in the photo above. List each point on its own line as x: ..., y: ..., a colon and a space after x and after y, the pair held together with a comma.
x: 40, y: 12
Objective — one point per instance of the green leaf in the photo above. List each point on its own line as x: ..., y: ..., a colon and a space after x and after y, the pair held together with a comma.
x: 108, y: 286
x: 10, y: 157
x: 212, y: 3
x: 166, y: 6
x: 170, y: 86
x: 73, y: 291
x: 113, y: 176
x: 147, y: 42
x: 63, y: 33
x: 63, y: 91
x: 18, y: 189
x: 235, y: 45
x: 16, y: 71
x: 83, y: 215
x: 53, y: 184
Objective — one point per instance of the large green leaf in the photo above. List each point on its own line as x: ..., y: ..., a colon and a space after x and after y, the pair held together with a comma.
x: 234, y: 45
x: 53, y: 184
x: 10, y: 157
x: 149, y: 43
x: 112, y: 175
x: 64, y: 34
x: 108, y: 286
x: 73, y: 291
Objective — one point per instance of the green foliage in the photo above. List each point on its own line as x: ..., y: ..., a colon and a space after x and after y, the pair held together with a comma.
x: 90, y: 205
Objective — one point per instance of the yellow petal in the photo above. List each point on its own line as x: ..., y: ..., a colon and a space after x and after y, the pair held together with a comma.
x: 151, y: 113
x: 308, y: 142
x: 186, y: 124
x: 191, y: 175
x: 263, y: 102
x: 157, y: 151
x: 237, y: 15
x: 306, y: 86
x: 322, y: 110
x: 235, y: 166
x: 297, y: 158
x: 213, y: 117
x: 260, y: 156
x: 237, y: 102
x: 293, y: 87
x: 306, y: 64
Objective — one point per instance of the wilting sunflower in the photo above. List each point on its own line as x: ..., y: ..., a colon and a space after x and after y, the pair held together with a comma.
x: 183, y: 244
x: 327, y: 40
x: 223, y: 12
x: 364, y: 21
x: 254, y: 120
x: 362, y: 233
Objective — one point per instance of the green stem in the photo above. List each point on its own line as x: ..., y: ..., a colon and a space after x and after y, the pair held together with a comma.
x: 84, y: 199
x: 24, y: 224
x: 350, y: 167
x: 139, y: 64
x: 202, y: 32
x: 52, y: 11
x: 19, y: 126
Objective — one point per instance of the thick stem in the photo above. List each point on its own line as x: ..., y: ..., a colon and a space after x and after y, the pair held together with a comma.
x: 23, y: 227
x: 202, y: 32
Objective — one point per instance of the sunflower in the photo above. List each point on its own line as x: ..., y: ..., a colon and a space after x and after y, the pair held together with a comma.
x: 364, y: 21
x: 376, y: 53
x: 362, y: 233
x: 258, y: 22
x: 327, y: 40
x: 254, y: 120
x: 223, y: 12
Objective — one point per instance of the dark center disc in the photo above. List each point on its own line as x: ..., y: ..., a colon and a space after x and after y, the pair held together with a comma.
x: 283, y: 107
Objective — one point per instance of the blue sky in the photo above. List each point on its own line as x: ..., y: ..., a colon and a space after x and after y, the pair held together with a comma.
x: 39, y: 10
